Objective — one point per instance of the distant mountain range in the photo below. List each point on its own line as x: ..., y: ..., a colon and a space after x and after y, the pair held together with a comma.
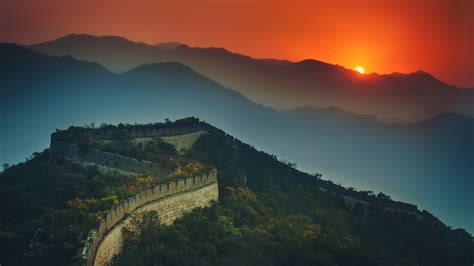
x: 278, y: 83
x: 427, y: 163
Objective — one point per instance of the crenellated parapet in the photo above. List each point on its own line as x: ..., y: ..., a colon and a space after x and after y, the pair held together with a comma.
x: 107, y: 132
x: 183, y: 126
x: 170, y: 200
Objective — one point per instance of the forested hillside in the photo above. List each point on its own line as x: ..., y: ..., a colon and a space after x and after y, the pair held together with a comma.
x: 268, y: 213
x: 283, y: 218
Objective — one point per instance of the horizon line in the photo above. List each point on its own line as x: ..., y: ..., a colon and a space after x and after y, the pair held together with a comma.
x: 241, y: 54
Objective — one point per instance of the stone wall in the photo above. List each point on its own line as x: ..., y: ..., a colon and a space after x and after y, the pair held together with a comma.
x: 141, y: 131
x: 179, y: 127
x: 388, y: 203
x: 107, y: 159
x: 170, y: 200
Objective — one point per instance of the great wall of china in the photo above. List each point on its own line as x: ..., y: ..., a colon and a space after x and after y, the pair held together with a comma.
x: 170, y: 200
x: 110, y: 160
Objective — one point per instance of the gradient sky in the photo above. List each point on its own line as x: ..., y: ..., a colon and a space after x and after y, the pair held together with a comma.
x: 382, y: 36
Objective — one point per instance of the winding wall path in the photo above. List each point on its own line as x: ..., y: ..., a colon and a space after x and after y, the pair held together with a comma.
x: 171, y: 201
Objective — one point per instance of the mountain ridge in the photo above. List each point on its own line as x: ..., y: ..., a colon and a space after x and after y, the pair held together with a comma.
x: 371, y: 155
x: 283, y: 84
x: 174, y: 44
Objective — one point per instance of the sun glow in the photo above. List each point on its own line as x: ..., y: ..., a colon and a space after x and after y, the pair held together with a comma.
x: 360, y: 69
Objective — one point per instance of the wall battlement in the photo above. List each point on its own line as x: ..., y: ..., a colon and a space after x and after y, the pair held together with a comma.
x: 179, y: 127
x: 170, y: 200
x: 120, y: 212
x: 187, y: 125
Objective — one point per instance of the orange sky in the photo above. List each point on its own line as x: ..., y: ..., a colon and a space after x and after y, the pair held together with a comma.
x: 382, y: 36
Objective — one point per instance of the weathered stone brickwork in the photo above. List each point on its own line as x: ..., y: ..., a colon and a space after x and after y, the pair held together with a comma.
x: 168, y: 208
x: 180, y: 127
x: 133, y: 131
x: 170, y: 201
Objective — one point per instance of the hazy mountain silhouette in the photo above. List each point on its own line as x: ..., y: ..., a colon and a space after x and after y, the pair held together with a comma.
x: 278, y: 83
x: 427, y: 163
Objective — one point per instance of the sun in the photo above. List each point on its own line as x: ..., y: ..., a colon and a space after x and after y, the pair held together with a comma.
x: 360, y: 69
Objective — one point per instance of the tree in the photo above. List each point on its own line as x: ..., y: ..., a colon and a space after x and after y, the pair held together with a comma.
x: 383, y: 196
